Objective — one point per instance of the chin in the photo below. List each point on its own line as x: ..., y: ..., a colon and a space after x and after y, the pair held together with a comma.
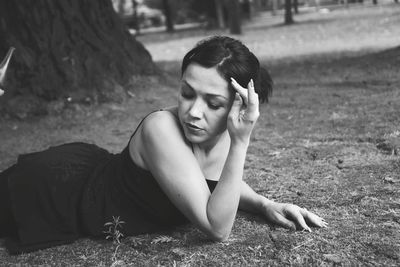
x: 195, y: 139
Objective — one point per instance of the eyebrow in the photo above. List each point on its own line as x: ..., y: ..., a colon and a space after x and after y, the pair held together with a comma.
x: 208, y: 94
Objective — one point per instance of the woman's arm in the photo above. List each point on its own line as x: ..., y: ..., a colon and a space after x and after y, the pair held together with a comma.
x: 250, y: 201
x: 172, y: 163
x: 282, y: 214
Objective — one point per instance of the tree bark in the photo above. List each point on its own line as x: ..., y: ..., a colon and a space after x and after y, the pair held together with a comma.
x: 288, y: 12
x: 67, y: 46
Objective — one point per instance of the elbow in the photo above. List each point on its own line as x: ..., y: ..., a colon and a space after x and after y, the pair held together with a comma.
x: 220, y: 236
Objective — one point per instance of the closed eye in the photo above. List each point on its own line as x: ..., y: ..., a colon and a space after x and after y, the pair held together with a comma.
x: 187, y: 92
x: 186, y: 95
x: 214, y: 101
x: 214, y: 106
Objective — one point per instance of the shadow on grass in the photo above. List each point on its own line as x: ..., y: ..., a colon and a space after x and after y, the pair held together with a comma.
x: 341, y: 59
x: 303, y: 18
x: 320, y: 21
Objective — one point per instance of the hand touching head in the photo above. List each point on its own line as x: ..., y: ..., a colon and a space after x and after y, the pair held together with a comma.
x: 232, y: 59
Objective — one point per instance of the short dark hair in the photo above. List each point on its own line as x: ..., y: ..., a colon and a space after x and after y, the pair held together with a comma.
x: 232, y: 59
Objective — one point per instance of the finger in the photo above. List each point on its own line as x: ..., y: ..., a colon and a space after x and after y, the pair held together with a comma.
x: 313, y: 218
x: 280, y: 220
x: 299, y: 219
x: 236, y: 106
x: 243, y: 92
x: 252, y: 98
x: 252, y: 95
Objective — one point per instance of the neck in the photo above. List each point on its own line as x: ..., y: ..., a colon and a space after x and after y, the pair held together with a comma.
x: 210, y: 145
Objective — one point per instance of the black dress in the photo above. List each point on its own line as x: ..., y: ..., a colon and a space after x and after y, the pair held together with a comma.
x: 72, y: 190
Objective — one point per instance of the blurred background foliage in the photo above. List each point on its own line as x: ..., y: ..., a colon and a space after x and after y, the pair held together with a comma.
x: 90, y: 51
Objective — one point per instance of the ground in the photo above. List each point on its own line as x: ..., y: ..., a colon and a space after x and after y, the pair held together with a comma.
x: 329, y: 141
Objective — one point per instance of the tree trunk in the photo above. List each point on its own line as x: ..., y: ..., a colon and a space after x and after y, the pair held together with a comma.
x: 274, y: 7
x: 296, y: 6
x: 121, y: 5
x: 288, y: 12
x: 168, y: 16
x: 69, y: 46
x: 245, y: 8
x: 234, y: 17
x: 136, y: 17
x: 317, y: 4
x: 256, y: 6
x: 220, y: 13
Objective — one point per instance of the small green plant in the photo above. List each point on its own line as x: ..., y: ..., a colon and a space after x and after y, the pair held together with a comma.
x: 113, y: 232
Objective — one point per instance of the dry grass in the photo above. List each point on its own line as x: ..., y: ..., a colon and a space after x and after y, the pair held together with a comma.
x: 327, y: 141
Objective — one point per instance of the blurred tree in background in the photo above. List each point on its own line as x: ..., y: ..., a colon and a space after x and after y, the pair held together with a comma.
x: 69, y: 48
x: 234, y: 15
x: 296, y: 6
x: 288, y: 12
x: 169, y: 21
x: 220, y: 13
x: 214, y: 13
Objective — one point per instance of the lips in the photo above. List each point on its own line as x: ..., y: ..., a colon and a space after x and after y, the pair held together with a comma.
x: 193, y: 127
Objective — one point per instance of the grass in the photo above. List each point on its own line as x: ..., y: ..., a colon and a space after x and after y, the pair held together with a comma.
x: 317, y: 144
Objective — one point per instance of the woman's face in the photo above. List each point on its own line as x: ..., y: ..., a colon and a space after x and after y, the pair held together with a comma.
x: 204, y: 103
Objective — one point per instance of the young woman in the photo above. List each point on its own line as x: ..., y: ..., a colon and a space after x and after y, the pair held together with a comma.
x: 183, y: 163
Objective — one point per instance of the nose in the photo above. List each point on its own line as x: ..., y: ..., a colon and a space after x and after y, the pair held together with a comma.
x: 196, y: 109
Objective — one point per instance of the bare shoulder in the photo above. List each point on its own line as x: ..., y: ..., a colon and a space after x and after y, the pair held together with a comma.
x: 165, y: 150
x: 161, y: 124
x: 161, y: 133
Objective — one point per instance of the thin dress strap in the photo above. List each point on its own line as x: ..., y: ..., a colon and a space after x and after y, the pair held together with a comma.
x: 140, y: 123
